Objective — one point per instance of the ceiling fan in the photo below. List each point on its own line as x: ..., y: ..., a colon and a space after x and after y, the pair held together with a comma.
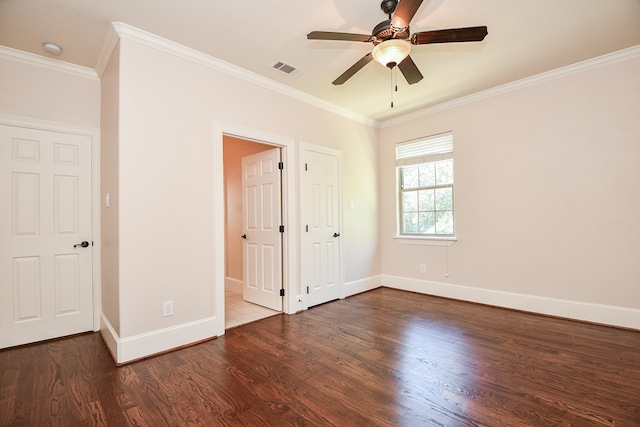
x: 392, y: 40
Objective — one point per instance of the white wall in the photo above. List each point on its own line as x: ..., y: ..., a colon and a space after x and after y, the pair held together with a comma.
x: 49, y: 91
x: 547, y: 198
x: 167, y: 107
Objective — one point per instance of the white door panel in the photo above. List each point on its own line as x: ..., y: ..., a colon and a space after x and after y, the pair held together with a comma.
x: 46, y: 286
x: 261, y: 220
x: 321, y: 211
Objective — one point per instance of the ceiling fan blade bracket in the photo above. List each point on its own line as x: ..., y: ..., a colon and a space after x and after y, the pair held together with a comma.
x: 386, y: 31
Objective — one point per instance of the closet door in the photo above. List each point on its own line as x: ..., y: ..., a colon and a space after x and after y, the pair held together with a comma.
x: 46, y: 288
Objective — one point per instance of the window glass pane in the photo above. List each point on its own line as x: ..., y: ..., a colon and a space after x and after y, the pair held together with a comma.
x: 410, y: 177
x: 444, y: 222
x: 426, y: 200
x: 410, y: 222
x: 444, y: 172
x: 427, y: 174
x: 427, y: 223
x: 410, y: 201
x: 426, y: 186
x: 444, y: 199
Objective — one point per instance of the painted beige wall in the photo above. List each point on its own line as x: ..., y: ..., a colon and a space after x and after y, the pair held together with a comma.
x: 167, y: 108
x: 109, y: 183
x: 45, y: 93
x: 547, y: 190
x: 234, y: 150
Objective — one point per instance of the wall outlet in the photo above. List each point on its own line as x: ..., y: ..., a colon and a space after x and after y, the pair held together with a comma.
x: 423, y: 268
x: 167, y: 308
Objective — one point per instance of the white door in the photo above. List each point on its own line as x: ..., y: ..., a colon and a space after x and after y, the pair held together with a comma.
x: 261, y: 221
x: 321, y: 233
x: 46, y: 288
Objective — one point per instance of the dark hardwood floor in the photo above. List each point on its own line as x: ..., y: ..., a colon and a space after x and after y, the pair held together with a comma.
x: 382, y: 358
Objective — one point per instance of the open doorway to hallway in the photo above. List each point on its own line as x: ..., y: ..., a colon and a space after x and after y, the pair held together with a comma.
x: 237, y: 309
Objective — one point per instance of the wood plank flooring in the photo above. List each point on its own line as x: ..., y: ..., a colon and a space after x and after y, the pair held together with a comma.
x: 382, y: 358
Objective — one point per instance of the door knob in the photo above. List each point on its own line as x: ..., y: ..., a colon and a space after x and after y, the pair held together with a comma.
x: 83, y: 244
x: 244, y: 236
x: 336, y: 234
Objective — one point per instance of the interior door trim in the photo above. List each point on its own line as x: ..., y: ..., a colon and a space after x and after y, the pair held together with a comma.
x: 289, y: 214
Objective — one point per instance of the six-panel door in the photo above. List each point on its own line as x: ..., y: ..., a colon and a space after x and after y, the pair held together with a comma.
x: 45, y: 215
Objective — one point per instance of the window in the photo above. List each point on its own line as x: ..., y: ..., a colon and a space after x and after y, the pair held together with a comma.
x: 425, y: 186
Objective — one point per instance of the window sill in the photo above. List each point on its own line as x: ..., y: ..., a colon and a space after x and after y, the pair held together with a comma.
x: 427, y: 241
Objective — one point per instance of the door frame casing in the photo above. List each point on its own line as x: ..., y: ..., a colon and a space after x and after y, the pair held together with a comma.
x: 94, y: 135
x: 289, y: 217
x: 308, y: 146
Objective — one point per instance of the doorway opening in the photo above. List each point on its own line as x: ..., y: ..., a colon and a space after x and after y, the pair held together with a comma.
x: 249, y: 251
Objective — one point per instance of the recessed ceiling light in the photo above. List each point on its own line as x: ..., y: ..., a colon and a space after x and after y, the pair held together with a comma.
x: 52, y: 48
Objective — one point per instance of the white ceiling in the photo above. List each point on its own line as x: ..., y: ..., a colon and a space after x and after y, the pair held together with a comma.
x: 526, y: 37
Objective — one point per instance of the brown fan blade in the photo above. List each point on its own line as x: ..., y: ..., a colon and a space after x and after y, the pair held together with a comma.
x: 354, y: 69
x: 329, y: 35
x: 410, y: 70
x: 404, y: 13
x: 469, y: 34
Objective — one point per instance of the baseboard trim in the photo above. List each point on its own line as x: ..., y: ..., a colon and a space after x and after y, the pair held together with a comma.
x: 362, y: 285
x: 588, y: 312
x: 148, y: 344
x: 233, y: 285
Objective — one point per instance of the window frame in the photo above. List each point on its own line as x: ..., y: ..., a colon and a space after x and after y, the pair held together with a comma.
x: 431, y: 149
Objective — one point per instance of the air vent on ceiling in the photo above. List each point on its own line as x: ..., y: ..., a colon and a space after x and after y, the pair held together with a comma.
x: 286, y: 68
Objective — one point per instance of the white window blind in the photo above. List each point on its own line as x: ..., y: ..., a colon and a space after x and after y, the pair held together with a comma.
x: 433, y: 148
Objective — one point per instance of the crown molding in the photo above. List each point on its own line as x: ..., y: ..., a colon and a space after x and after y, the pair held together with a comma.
x: 128, y: 32
x: 589, y: 64
x: 109, y: 44
x: 48, y: 125
x: 48, y: 63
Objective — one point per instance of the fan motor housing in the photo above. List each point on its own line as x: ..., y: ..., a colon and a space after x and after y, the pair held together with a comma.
x: 385, y: 31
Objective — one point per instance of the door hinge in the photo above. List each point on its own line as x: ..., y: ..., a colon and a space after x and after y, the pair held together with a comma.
x: 282, y: 292
x: 307, y: 290
x: 282, y: 228
x: 305, y: 167
x: 280, y: 165
x: 307, y: 227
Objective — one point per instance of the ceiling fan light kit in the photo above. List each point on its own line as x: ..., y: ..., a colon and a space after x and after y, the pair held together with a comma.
x: 391, y: 52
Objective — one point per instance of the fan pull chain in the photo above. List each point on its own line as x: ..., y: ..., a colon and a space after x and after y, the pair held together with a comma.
x: 392, y: 88
x: 395, y: 75
x: 394, y: 83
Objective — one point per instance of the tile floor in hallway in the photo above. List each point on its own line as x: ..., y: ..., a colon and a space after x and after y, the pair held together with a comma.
x: 238, y: 311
